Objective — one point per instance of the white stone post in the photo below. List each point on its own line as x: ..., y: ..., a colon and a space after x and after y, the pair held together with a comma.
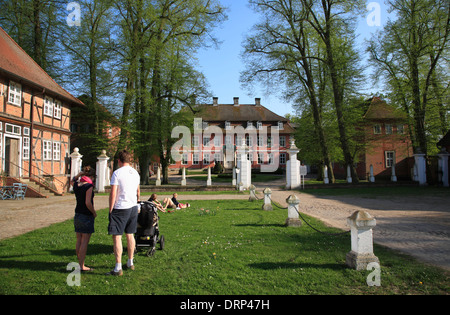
x: 443, y: 167
x: 349, y: 175
x: 293, y: 168
x: 183, y: 176
x: 233, y: 182
x: 102, y: 172
x: 421, y: 168
x: 325, y: 175
x: 158, y: 177
x: 371, y: 178
x: 252, y: 190
x: 293, y: 217
x: 267, y: 200
x: 75, y: 164
x: 209, y: 180
x: 361, y: 224
x: 245, y: 167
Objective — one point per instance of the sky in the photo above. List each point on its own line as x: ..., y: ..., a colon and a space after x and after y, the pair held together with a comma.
x: 222, y: 66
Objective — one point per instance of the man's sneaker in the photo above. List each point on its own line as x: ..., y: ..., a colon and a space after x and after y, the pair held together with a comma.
x: 114, y: 273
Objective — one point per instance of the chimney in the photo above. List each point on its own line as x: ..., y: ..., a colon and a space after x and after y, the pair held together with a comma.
x: 257, y: 101
x: 215, y: 101
x: 236, y: 101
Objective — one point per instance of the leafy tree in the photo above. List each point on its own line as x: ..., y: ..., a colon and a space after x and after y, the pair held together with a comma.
x: 412, y: 54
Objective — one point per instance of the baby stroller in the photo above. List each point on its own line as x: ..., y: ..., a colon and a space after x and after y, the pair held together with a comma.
x: 147, y: 234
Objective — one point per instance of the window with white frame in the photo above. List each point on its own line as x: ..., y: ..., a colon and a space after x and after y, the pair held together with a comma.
x: 13, y: 129
x: 227, y: 125
x: 250, y: 157
x: 48, y: 106
x: 184, y: 160
x: 390, y: 156
x: 57, y: 110
x: 377, y: 129
x: 280, y: 125
x: 228, y: 140
x: 283, y: 158
x: 270, y: 158
x: 26, y: 131
x: 260, y: 141
x: 218, y: 157
x: 195, y: 159
x: 400, y: 129
x: 249, y: 140
x: 388, y: 129
x: 56, y: 151
x: 206, y: 141
x: 249, y: 125
x: 217, y: 141
x: 282, y: 141
x: 15, y: 93
x: 46, y: 150
x: 259, y: 125
x: 26, y: 148
x: 269, y: 141
x: 195, y: 141
x: 260, y: 158
x: 206, y: 158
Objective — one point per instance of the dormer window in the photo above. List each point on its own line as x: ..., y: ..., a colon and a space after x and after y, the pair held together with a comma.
x: 280, y: 125
x: 249, y: 125
x: 205, y: 124
x: 227, y: 125
x: 259, y: 125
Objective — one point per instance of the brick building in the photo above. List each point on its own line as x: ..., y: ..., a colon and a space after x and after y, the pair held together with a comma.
x: 386, y: 142
x: 262, y: 129
x: 34, y: 119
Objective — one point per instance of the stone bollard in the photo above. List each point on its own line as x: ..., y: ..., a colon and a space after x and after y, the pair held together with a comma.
x: 158, y: 177
x: 293, y: 217
x: 361, y: 255
x: 267, y: 200
x: 183, y: 177
x: 371, y: 178
x: 233, y: 181
x: 252, y: 189
x: 102, y: 172
x: 209, y: 180
x: 349, y: 175
x: 75, y: 164
x: 393, y: 176
x: 325, y: 175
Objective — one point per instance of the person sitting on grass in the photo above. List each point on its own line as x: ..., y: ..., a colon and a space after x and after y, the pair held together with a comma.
x: 177, y: 204
x: 159, y: 206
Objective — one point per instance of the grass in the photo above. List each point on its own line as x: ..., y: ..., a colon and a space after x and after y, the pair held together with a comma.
x: 233, y: 249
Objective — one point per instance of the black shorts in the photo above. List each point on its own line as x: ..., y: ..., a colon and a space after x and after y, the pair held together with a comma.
x: 123, y: 221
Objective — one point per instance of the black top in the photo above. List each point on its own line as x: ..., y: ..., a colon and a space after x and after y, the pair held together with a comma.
x: 175, y: 201
x: 80, y: 194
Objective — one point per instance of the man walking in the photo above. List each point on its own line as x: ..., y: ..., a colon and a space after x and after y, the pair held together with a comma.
x: 123, y: 210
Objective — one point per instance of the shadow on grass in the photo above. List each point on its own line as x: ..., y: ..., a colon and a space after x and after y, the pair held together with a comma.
x: 41, y: 262
x: 288, y: 265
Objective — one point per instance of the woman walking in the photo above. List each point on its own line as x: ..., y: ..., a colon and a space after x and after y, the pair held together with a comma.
x: 85, y: 213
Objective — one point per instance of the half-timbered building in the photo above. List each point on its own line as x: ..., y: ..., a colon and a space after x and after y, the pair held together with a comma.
x: 34, y: 120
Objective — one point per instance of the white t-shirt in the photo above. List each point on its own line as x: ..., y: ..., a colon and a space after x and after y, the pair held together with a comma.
x: 127, y: 179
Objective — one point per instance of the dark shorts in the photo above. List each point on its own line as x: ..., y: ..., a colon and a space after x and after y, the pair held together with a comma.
x: 83, y: 223
x: 123, y: 221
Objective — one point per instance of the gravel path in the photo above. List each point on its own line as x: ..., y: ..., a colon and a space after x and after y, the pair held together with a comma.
x: 418, y: 226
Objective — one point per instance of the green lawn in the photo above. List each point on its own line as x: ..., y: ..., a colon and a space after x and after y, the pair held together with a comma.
x: 235, y: 249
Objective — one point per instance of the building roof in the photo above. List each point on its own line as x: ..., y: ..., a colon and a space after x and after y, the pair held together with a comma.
x: 15, y: 62
x: 380, y: 110
x: 240, y: 113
